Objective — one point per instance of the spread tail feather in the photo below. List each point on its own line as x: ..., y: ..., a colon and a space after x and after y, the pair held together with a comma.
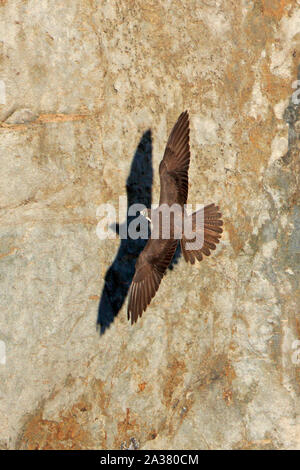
x: 212, y: 222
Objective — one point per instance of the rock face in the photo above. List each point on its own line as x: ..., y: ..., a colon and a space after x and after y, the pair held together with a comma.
x: 88, y: 93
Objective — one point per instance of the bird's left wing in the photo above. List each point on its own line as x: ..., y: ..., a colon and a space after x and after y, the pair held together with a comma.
x: 174, y: 167
x: 150, y: 268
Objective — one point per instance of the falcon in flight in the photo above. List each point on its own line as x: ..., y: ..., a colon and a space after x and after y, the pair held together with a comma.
x: 155, y: 258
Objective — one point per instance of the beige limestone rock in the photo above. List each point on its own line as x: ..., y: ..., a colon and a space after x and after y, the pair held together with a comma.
x: 210, y: 365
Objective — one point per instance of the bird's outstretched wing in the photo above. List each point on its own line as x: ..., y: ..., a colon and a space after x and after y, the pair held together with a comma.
x: 174, y: 167
x: 150, y: 267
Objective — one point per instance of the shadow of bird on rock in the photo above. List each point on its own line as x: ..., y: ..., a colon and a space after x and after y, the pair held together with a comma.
x: 119, y: 275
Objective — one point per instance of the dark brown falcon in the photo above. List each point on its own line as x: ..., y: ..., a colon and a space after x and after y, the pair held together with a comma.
x: 154, y: 260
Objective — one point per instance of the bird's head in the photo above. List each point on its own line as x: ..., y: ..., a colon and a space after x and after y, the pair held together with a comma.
x: 146, y: 213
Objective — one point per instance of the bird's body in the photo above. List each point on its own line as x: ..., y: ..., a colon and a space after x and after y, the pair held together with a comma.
x: 160, y: 248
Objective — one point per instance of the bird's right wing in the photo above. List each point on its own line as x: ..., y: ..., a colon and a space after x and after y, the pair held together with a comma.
x: 174, y: 167
x: 150, y: 268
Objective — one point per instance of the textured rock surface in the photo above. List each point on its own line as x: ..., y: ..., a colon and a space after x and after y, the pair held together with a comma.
x: 210, y: 365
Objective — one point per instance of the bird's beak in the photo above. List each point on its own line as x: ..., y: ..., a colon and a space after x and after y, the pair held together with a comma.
x: 144, y: 213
